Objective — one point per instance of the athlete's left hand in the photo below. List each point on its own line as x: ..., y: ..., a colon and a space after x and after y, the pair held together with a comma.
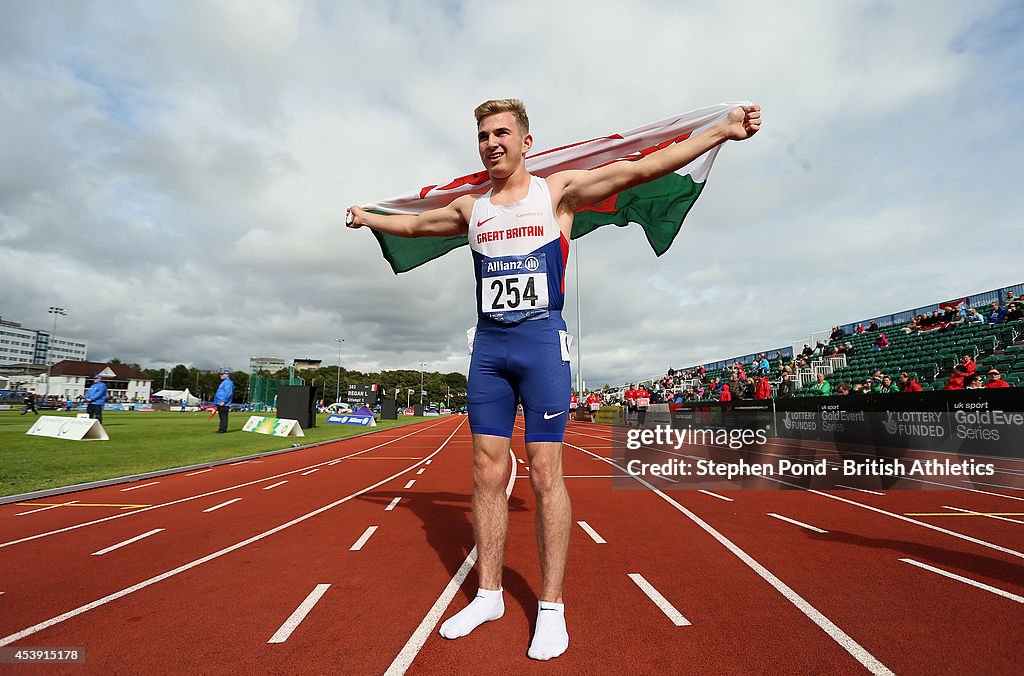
x: 743, y: 122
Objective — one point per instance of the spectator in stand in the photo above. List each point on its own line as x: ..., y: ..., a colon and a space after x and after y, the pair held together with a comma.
x: 1015, y: 311
x: 881, y: 342
x: 872, y: 386
x: 860, y: 329
x: 849, y: 350
x: 763, y: 388
x: 726, y: 394
x: 974, y: 382
x: 956, y: 320
x: 786, y: 387
x: 888, y: 386
x: 807, y: 352
x: 1010, y: 297
x: 956, y: 381
x: 837, y: 333
x: 995, y: 380
x: 913, y: 325
x: 974, y: 317
x: 908, y: 384
x: 996, y: 315
x: 873, y: 326
x: 737, y: 386
x: 967, y: 361
x: 843, y: 388
x: 822, y: 387
x: 764, y: 365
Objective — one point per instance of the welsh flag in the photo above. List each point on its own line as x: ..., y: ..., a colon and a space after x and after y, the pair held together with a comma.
x: 658, y: 207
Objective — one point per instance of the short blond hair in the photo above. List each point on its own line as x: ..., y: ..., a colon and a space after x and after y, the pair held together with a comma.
x: 495, y: 106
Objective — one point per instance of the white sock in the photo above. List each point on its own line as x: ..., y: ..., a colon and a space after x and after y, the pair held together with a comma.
x: 550, y: 638
x: 487, y: 606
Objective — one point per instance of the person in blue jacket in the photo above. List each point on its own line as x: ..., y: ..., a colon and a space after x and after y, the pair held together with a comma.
x: 222, y: 399
x: 95, y: 397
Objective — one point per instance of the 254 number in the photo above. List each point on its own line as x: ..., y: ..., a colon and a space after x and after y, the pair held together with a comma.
x: 509, y: 295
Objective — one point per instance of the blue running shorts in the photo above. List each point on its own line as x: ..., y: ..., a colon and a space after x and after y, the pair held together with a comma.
x: 515, y: 363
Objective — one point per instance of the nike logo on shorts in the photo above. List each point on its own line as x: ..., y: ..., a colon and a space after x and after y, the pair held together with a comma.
x: 479, y: 223
x: 548, y: 416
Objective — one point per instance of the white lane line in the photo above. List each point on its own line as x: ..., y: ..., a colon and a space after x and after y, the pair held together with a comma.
x: 315, y: 469
x: 980, y: 483
x: 239, y: 463
x: 411, y: 482
x: 209, y: 493
x: 279, y: 483
x: 43, y: 509
x: 223, y: 504
x: 391, y: 506
x: 988, y: 516
x: 428, y: 462
x: 966, y: 580
x: 653, y: 594
x: 715, y: 495
x: 422, y: 470
x: 127, y: 542
x: 592, y: 533
x: 856, y: 650
x: 362, y: 539
x: 202, y: 471
x: 28, y: 631
x: 415, y: 643
x: 135, y: 488
x: 334, y: 462
x: 296, y: 618
x: 797, y: 523
x: 520, y: 461
x: 861, y: 490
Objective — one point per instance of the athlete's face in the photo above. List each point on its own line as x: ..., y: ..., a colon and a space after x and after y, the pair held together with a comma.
x: 502, y: 145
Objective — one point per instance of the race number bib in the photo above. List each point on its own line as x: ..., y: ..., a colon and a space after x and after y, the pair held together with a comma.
x: 513, y: 288
x: 643, y: 402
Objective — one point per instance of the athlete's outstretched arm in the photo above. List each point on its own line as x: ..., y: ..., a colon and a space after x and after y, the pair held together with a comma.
x: 444, y: 222
x: 582, y: 188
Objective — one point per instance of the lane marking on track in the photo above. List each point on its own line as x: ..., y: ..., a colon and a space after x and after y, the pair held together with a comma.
x: 592, y: 533
x: 214, y: 492
x: 715, y: 495
x: 832, y: 496
x: 223, y: 504
x: 860, y: 490
x: 394, y: 457
x: 797, y: 523
x: 980, y: 483
x: 966, y: 580
x: 334, y: 462
x: 234, y: 464
x: 315, y: 469
x: 392, y: 504
x: 28, y: 631
x: 856, y: 650
x: 520, y: 461
x: 415, y: 643
x: 127, y: 542
x: 585, y: 476
x: 428, y: 462
x: 296, y: 618
x: 76, y: 503
x: 654, y: 595
x: 42, y: 509
x: 135, y: 488
x: 999, y: 516
x: 279, y: 483
x: 411, y: 482
x: 362, y: 539
x: 422, y: 470
x: 202, y: 471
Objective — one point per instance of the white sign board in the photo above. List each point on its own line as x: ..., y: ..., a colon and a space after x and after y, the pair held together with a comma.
x: 278, y: 427
x: 76, y: 429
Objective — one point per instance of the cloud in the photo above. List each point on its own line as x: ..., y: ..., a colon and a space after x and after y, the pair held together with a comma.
x: 178, y: 174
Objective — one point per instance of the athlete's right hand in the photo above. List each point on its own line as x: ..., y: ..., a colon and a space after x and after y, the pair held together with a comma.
x: 354, y: 217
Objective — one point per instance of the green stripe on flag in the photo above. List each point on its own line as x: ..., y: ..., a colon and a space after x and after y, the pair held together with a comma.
x: 406, y: 253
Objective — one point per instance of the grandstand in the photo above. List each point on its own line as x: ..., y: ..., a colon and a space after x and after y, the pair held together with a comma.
x: 927, y: 355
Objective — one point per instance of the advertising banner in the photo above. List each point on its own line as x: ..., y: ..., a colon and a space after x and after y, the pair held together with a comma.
x: 75, y: 429
x: 277, y: 427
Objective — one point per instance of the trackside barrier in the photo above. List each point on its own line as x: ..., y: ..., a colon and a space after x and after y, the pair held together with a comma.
x: 277, y: 427
x: 75, y: 429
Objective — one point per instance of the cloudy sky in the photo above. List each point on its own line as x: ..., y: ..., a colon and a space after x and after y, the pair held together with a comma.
x: 175, y: 175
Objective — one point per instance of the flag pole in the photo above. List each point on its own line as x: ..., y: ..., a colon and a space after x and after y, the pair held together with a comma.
x: 579, y: 326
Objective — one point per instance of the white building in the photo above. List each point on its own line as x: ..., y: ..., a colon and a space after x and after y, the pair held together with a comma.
x: 19, y: 345
x: 265, y: 364
x: 70, y: 380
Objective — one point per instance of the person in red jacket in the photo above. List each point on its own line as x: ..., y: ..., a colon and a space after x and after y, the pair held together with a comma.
x: 995, y: 380
x: 763, y: 389
x: 968, y: 363
x: 956, y: 381
x: 908, y: 384
x: 593, y: 404
x: 726, y: 395
x: 574, y: 403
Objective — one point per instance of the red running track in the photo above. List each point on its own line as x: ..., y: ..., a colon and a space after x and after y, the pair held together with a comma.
x: 743, y: 590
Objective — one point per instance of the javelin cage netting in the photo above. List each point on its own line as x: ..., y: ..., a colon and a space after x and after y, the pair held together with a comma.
x: 263, y: 390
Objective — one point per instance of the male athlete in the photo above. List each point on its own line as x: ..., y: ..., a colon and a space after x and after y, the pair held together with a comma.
x: 519, y: 234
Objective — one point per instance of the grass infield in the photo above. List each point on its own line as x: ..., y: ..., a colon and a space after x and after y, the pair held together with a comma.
x: 140, y: 442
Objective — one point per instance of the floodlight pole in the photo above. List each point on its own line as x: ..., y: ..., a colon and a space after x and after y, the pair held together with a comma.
x: 56, y: 312
x: 337, y: 385
x: 423, y: 365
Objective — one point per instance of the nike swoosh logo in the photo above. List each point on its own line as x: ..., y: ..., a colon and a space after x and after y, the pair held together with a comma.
x: 549, y: 417
x: 479, y: 223
x: 555, y: 609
